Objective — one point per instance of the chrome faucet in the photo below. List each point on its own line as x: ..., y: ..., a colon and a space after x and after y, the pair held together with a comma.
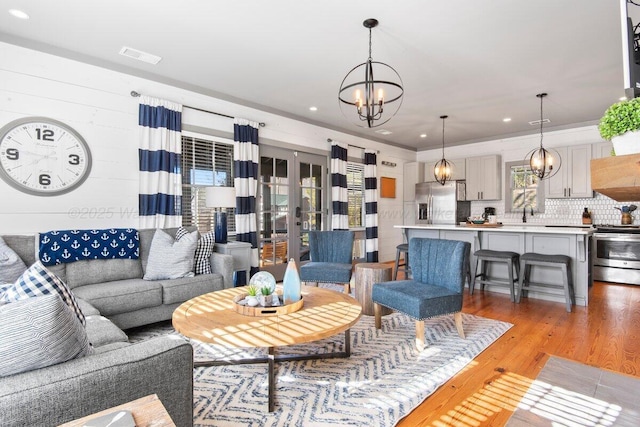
x: 524, y: 212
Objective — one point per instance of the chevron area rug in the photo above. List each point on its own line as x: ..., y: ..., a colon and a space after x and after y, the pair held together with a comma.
x: 384, y: 379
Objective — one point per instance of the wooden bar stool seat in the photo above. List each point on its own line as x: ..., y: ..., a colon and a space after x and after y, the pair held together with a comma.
x: 402, y: 249
x: 562, y: 262
x: 484, y: 257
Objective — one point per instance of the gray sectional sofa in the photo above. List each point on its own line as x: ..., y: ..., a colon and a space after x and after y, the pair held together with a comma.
x: 113, y: 296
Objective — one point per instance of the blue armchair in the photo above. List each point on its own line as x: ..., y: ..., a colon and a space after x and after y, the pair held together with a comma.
x: 331, y: 254
x: 439, y: 268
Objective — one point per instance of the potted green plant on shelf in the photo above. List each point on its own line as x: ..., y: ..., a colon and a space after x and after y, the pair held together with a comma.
x: 621, y: 125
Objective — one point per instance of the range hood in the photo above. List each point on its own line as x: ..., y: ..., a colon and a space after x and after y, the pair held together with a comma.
x: 617, y: 177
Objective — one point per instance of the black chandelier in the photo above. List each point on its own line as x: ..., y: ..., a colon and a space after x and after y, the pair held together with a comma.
x: 544, y: 163
x: 371, y: 95
x: 442, y: 169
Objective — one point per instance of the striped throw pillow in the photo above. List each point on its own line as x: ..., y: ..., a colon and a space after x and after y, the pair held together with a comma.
x: 39, y: 332
x: 38, y: 281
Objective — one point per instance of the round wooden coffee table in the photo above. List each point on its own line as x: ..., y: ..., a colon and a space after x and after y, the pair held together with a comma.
x: 211, y: 318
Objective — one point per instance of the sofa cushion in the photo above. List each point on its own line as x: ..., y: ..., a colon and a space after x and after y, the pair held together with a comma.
x: 121, y: 296
x: 170, y: 258
x: 101, y: 332
x: 37, y: 281
x: 88, y: 272
x: 87, y: 309
x: 38, y: 332
x: 181, y: 290
x: 11, y: 265
x: 146, y: 237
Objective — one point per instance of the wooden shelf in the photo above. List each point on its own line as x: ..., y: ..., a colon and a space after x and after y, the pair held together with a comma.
x: 617, y: 177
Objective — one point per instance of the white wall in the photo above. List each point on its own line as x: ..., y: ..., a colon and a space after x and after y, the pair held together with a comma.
x: 96, y: 102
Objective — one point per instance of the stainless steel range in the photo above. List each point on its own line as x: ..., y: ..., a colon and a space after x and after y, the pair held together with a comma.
x: 616, y: 254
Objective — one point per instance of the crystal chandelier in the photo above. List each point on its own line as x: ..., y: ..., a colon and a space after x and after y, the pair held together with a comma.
x: 376, y: 99
x: 544, y: 163
x: 442, y: 169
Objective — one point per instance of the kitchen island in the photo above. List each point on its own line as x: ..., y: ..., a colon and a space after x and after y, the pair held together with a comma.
x: 574, y: 242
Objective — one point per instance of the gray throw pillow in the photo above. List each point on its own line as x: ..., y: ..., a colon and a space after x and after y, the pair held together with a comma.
x: 169, y: 258
x: 39, y: 332
x: 11, y: 265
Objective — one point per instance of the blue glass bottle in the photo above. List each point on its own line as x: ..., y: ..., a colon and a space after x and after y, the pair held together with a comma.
x: 292, y: 288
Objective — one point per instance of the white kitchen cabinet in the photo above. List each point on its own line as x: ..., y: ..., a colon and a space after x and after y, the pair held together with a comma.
x: 457, y: 170
x: 573, y: 180
x: 483, y: 178
x: 413, y: 173
x: 601, y: 150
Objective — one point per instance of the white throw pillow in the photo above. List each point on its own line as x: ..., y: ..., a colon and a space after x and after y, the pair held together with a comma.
x: 11, y: 265
x: 170, y: 258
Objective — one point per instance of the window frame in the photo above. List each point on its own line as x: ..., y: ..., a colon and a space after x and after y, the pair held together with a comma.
x: 204, y: 219
x: 508, y: 188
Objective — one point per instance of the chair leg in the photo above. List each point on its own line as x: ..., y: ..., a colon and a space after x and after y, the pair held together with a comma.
x: 347, y: 288
x: 457, y: 317
x: 472, y: 283
x: 395, y: 270
x: 420, y: 344
x: 511, y: 285
x: 377, y: 312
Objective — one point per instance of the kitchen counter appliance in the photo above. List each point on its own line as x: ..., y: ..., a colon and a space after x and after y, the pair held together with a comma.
x: 616, y: 253
x: 442, y: 204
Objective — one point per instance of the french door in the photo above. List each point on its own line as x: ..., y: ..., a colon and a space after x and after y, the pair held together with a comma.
x: 291, y: 202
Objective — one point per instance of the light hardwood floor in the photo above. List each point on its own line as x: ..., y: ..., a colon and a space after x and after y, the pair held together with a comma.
x: 606, y: 334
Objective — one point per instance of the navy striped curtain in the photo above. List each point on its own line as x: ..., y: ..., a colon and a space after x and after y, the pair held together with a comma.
x: 339, y: 196
x: 371, y: 204
x: 160, y: 191
x: 246, y: 155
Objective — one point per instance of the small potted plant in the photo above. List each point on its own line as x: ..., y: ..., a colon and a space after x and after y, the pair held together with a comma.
x: 252, y: 296
x: 265, y: 298
x: 621, y: 125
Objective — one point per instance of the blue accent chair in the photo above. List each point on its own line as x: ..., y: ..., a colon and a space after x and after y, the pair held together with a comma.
x: 331, y: 254
x: 438, y: 270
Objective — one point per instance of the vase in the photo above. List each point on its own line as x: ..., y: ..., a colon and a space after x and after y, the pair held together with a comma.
x: 292, y: 288
x: 252, y: 301
x: 627, y: 143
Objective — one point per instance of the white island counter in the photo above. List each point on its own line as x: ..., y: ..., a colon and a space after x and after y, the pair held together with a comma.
x: 574, y: 242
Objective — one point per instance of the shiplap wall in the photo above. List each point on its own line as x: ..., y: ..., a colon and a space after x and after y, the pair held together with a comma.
x: 96, y: 103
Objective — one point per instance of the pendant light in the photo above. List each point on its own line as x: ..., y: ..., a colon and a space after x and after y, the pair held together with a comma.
x: 375, y: 100
x: 442, y: 169
x: 544, y: 163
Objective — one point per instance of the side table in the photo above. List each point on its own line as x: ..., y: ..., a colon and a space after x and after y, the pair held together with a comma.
x: 147, y: 411
x: 241, y: 252
x: 366, y: 274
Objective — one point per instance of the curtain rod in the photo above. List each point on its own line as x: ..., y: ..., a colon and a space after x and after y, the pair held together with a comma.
x: 136, y: 94
x: 354, y: 146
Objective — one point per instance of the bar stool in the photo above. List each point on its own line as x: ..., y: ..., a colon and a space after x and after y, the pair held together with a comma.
x: 562, y: 262
x: 402, y: 248
x: 485, y: 256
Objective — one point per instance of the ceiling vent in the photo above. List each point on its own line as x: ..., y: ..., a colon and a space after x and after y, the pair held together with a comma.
x: 537, y: 122
x: 140, y: 55
x: 384, y: 132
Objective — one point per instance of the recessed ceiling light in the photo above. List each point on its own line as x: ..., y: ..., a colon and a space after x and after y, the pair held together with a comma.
x: 423, y: 135
x: 384, y: 132
x: 506, y: 119
x: 313, y: 108
x: 19, y: 13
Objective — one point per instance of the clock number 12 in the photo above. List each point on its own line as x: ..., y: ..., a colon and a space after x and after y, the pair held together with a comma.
x: 44, y: 134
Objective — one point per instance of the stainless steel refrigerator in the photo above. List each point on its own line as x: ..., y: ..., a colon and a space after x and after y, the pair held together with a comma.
x: 441, y: 204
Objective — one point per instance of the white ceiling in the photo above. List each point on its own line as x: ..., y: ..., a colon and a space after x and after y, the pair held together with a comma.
x: 476, y: 60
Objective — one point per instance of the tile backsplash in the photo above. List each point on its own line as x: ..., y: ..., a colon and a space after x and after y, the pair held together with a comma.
x: 563, y: 211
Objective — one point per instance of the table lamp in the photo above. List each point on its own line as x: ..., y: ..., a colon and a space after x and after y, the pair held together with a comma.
x: 220, y: 198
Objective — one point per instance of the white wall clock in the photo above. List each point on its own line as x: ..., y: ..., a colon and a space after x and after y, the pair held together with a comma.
x: 42, y: 156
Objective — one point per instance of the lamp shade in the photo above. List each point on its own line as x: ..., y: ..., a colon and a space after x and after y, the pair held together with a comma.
x: 220, y: 197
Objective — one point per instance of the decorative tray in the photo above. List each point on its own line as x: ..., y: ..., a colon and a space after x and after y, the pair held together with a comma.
x: 259, y: 310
